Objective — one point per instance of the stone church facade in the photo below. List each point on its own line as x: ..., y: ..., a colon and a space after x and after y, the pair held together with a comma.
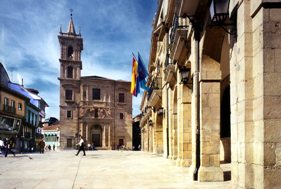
x: 215, y: 96
x: 96, y: 108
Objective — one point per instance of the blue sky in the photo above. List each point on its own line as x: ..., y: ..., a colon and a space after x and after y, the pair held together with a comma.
x: 111, y: 29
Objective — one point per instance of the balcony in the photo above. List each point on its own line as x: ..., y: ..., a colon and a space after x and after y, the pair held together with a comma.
x: 155, y: 93
x: 9, y: 109
x: 169, y: 71
x: 179, y: 38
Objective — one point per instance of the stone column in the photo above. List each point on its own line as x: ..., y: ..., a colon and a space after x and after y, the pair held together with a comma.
x: 108, y: 138
x: 103, y: 136
x: 171, y: 126
x: 87, y: 132
x: 81, y: 128
x: 184, y: 127
x: 210, y: 121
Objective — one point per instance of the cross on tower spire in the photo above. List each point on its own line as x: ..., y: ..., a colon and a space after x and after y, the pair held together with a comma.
x: 71, y: 29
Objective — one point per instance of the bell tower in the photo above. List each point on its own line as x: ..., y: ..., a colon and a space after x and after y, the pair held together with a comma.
x: 71, y: 46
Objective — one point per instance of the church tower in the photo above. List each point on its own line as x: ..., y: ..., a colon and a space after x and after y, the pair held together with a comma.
x: 71, y: 45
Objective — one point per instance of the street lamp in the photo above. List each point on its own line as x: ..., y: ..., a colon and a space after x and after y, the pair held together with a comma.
x: 219, y: 11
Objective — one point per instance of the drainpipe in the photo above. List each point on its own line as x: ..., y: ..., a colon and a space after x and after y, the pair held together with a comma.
x: 167, y: 129
x: 167, y: 97
x: 197, y: 98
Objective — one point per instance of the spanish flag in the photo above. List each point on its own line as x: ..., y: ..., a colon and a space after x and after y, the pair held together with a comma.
x: 134, y: 83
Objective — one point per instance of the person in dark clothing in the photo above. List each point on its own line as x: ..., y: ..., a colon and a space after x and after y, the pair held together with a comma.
x: 42, y: 146
x: 81, y: 146
x: 8, y: 143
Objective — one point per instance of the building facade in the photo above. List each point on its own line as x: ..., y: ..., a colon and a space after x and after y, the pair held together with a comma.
x: 96, y: 108
x: 214, y: 94
x: 21, y: 113
x: 51, y: 135
x: 12, y: 109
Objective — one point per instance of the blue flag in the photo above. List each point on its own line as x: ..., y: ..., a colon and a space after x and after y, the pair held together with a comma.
x: 142, y: 74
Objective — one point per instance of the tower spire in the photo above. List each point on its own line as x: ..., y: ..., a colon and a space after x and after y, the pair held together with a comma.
x: 71, y: 29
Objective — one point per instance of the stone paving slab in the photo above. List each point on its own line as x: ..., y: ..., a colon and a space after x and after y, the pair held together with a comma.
x: 96, y: 170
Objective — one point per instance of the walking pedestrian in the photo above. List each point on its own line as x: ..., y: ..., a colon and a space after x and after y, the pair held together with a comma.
x: 8, y: 147
x: 54, y: 147
x: 81, y: 146
x: 42, y: 146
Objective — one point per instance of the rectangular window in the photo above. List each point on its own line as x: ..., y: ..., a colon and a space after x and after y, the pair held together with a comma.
x: 13, y: 104
x: 35, y: 120
x: 121, y: 97
x: 121, y: 116
x: 6, y: 101
x: 68, y: 94
x: 20, y: 106
x: 96, y: 94
x: 69, y: 114
x: 29, y: 116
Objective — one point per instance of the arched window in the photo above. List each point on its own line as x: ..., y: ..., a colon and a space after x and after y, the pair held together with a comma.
x: 70, y: 52
x: 69, y: 72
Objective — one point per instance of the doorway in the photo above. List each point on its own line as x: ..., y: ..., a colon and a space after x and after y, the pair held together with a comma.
x: 69, y: 143
x: 96, y: 140
x: 97, y: 136
x: 121, y: 142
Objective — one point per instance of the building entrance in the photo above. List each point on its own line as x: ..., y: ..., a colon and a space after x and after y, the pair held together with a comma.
x: 69, y: 143
x: 96, y: 136
x: 96, y: 139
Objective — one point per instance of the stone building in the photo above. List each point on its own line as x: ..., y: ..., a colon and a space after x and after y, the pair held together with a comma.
x: 97, y: 108
x: 215, y: 95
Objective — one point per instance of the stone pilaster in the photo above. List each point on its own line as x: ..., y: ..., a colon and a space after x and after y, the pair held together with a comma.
x: 103, y: 136
x: 108, y: 137
x: 186, y: 142
x: 210, y: 121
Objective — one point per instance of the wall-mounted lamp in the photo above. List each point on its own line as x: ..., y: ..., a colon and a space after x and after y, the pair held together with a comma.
x: 219, y: 11
x: 184, y: 75
x: 220, y: 15
x: 160, y: 111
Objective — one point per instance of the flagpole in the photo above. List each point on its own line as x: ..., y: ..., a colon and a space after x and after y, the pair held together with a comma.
x: 134, y: 56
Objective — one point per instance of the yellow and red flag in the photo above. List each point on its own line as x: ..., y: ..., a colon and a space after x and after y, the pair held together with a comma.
x: 134, y: 90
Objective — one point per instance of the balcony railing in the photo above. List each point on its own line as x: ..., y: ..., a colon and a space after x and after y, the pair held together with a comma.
x: 174, y: 28
x: 156, y: 84
x: 9, y: 109
x: 179, y: 37
x: 155, y: 93
x: 178, y: 23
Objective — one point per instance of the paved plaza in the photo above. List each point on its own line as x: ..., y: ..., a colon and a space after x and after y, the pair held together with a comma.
x: 98, y: 169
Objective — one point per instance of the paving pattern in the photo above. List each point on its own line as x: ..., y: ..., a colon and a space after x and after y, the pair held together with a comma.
x: 96, y: 170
